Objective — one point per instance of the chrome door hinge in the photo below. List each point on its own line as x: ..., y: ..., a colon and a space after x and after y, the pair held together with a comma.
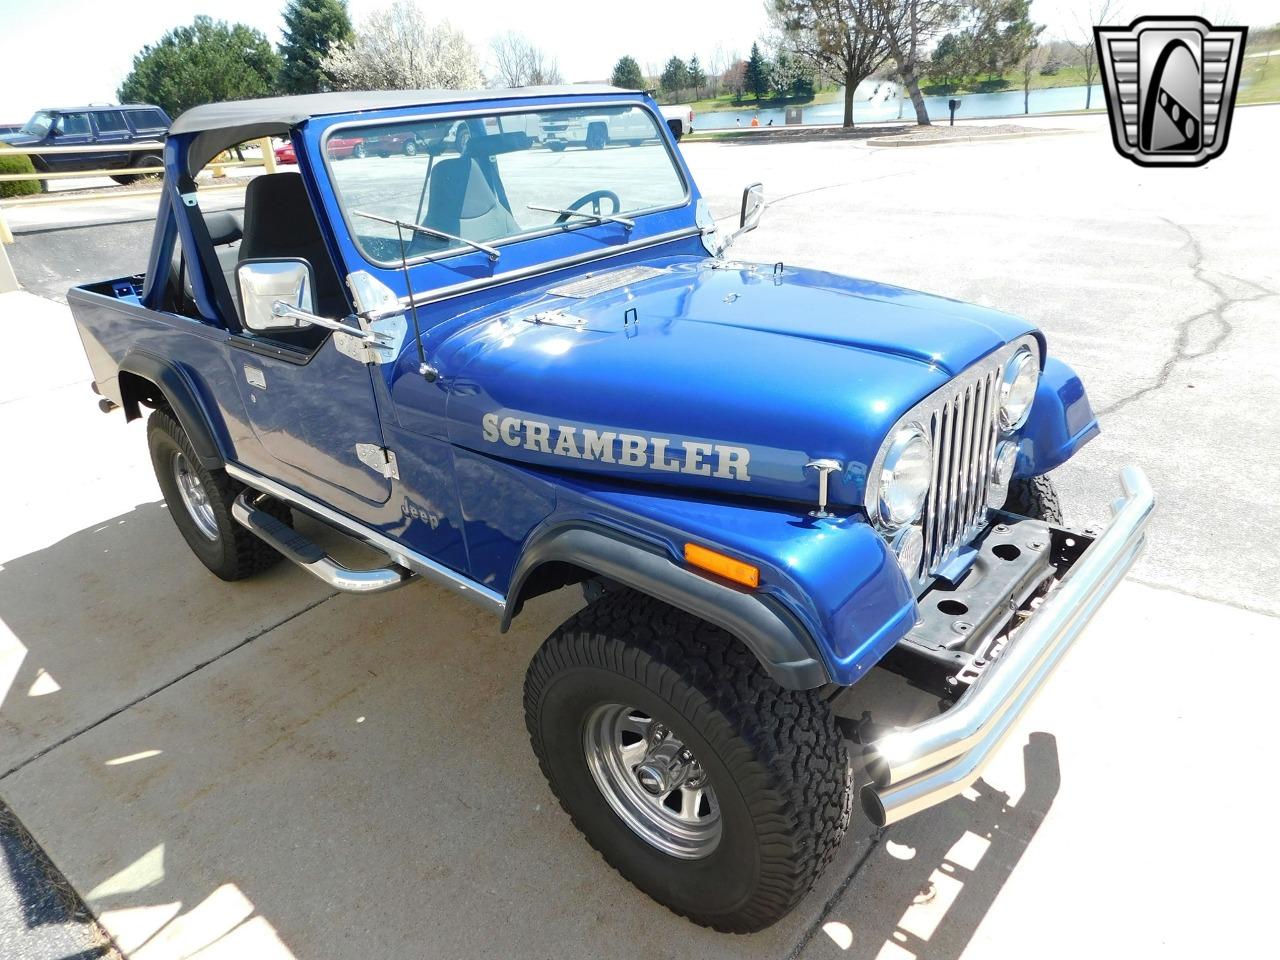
x: 379, y: 458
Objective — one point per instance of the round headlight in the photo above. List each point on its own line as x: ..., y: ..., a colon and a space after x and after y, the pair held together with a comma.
x: 1021, y: 377
x: 905, y: 477
x: 1001, y: 474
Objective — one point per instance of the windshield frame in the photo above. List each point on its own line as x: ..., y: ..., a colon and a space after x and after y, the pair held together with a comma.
x: 53, y: 116
x: 450, y: 117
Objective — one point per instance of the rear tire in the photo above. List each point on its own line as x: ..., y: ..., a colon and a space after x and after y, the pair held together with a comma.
x: 769, y: 764
x: 146, y: 160
x: 199, y: 502
x: 1034, y: 497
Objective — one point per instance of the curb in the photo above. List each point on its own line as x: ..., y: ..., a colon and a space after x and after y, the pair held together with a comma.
x: 909, y: 141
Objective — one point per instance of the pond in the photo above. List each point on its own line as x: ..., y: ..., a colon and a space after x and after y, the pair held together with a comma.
x: 881, y: 102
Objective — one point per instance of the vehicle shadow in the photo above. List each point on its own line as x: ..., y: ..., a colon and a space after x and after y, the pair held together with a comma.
x: 285, y: 773
x: 931, y: 881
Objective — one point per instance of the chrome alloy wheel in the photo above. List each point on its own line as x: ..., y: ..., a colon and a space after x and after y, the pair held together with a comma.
x: 194, y: 497
x: 652, y: 781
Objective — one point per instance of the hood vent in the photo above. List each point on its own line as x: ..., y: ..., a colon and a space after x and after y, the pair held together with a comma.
x: 592, y: 284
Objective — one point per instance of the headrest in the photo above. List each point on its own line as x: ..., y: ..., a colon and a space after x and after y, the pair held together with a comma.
x: 224, y: 227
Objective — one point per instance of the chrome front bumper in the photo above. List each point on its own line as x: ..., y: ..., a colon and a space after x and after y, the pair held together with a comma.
x: 916, y: 767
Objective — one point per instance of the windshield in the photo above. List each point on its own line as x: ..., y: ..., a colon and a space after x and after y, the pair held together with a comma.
x: 39, y: 123
x: 486, y: 179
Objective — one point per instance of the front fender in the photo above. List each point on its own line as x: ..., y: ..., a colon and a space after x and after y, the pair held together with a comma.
x: 1061, y: 421
x: 831, y: 601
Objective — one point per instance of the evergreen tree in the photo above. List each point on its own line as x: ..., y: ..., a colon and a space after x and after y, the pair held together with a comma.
x: 311, y: 29
x: 697, y: 76
x: 626, y: 74
x: 207, y: 62
x: 675, y: 76
x: 757, y: 76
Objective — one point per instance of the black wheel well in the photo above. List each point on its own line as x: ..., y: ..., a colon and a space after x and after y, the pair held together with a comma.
x: 548, y: 577
x: 136, y: 392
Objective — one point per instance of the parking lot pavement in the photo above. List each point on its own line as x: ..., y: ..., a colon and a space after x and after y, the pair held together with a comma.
x: 265, y: 771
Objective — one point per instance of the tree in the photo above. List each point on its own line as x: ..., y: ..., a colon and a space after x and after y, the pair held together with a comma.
x: 207, y: 62
x: 1000, y: 33
x: 757, y: 73
x: 907, y: 26
x: 675, y: 77
x: 950, y: 59
x: 521, y: 64
x: 1032, y: 61
x: 1084, y: 45
x: 396, y: 49
x: 697, y: 76
x: 734, y: 78
x: 626, y: 74
x: 311, y: 29
x: 831, y: 37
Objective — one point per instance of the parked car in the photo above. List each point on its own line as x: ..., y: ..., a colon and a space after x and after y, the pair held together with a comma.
x: 95, y: 126
x: 679, y: 118
x: 393, y: 143
x: 339, y: 147
x: 768, y: 480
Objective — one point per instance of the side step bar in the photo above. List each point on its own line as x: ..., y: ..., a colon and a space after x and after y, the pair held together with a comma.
x: 308, y: 555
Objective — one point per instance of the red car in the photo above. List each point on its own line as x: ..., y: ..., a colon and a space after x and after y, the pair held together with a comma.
x: 338, y: 148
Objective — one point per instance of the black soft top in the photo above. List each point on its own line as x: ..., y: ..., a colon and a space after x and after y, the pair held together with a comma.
x: 286, y: 112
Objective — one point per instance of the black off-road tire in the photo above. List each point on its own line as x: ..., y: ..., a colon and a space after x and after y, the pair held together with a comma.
x: 774, y: 757
x: 1034, y: 497
x: 234, y: 553
x: 146, y: 160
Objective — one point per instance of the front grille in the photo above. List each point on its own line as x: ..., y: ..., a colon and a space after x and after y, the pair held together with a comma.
x: 964, y: 430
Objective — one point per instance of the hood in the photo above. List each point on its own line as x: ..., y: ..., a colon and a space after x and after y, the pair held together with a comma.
x: 729, y: 378
x: 20, y: 139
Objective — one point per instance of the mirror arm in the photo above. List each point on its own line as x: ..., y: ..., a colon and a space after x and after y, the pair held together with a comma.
x: 286, y: 310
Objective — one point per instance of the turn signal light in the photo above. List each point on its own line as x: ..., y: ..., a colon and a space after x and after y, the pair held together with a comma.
x: 722, y: 566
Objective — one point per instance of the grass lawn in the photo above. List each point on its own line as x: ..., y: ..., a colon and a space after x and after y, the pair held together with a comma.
x: 725, y: 101
x: 1012, y: 80
x: 1260, y: 80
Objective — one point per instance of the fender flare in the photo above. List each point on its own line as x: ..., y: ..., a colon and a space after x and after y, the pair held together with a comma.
x: 1060, y: 423
x: 778, y: 640
x: 180, y: 393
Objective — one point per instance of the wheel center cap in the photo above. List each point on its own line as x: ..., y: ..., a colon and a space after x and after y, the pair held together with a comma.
x: 651, y: 780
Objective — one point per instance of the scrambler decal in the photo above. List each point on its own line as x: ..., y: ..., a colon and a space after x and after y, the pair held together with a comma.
x: 706, y: 458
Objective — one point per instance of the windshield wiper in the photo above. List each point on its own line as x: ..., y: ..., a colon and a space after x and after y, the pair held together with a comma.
x: 493, y: 252
x: 597, y: 217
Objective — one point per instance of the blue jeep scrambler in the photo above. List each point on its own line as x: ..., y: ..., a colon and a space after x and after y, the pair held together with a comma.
x: 510, y: 363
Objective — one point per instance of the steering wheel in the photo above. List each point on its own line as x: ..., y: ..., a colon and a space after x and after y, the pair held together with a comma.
x: 593, y: 198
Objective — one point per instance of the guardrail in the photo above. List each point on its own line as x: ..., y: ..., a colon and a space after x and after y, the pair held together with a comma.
x: 8, y: 281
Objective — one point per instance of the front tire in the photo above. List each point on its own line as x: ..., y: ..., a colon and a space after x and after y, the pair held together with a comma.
x: 1034, y: 497
x: 199, y: 502
x: 631, y: 696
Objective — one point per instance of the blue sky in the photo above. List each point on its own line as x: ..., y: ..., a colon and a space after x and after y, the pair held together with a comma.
x: 58, y: 52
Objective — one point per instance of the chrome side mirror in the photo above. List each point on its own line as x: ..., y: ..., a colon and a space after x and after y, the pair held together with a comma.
x: 752, y: 208
x: 265, y: 284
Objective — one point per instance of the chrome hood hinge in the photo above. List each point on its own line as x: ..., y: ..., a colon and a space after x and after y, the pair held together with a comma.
x: 379, y: 459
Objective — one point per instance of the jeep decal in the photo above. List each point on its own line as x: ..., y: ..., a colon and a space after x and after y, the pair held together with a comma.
x: 706, y: 458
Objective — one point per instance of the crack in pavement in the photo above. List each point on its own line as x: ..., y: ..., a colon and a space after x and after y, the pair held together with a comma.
x: 164, y: 686
x: 836, y: 896
x: 1181, y: 346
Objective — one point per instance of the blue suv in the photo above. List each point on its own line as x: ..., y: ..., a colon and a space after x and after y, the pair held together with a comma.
x: 95, y: 126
